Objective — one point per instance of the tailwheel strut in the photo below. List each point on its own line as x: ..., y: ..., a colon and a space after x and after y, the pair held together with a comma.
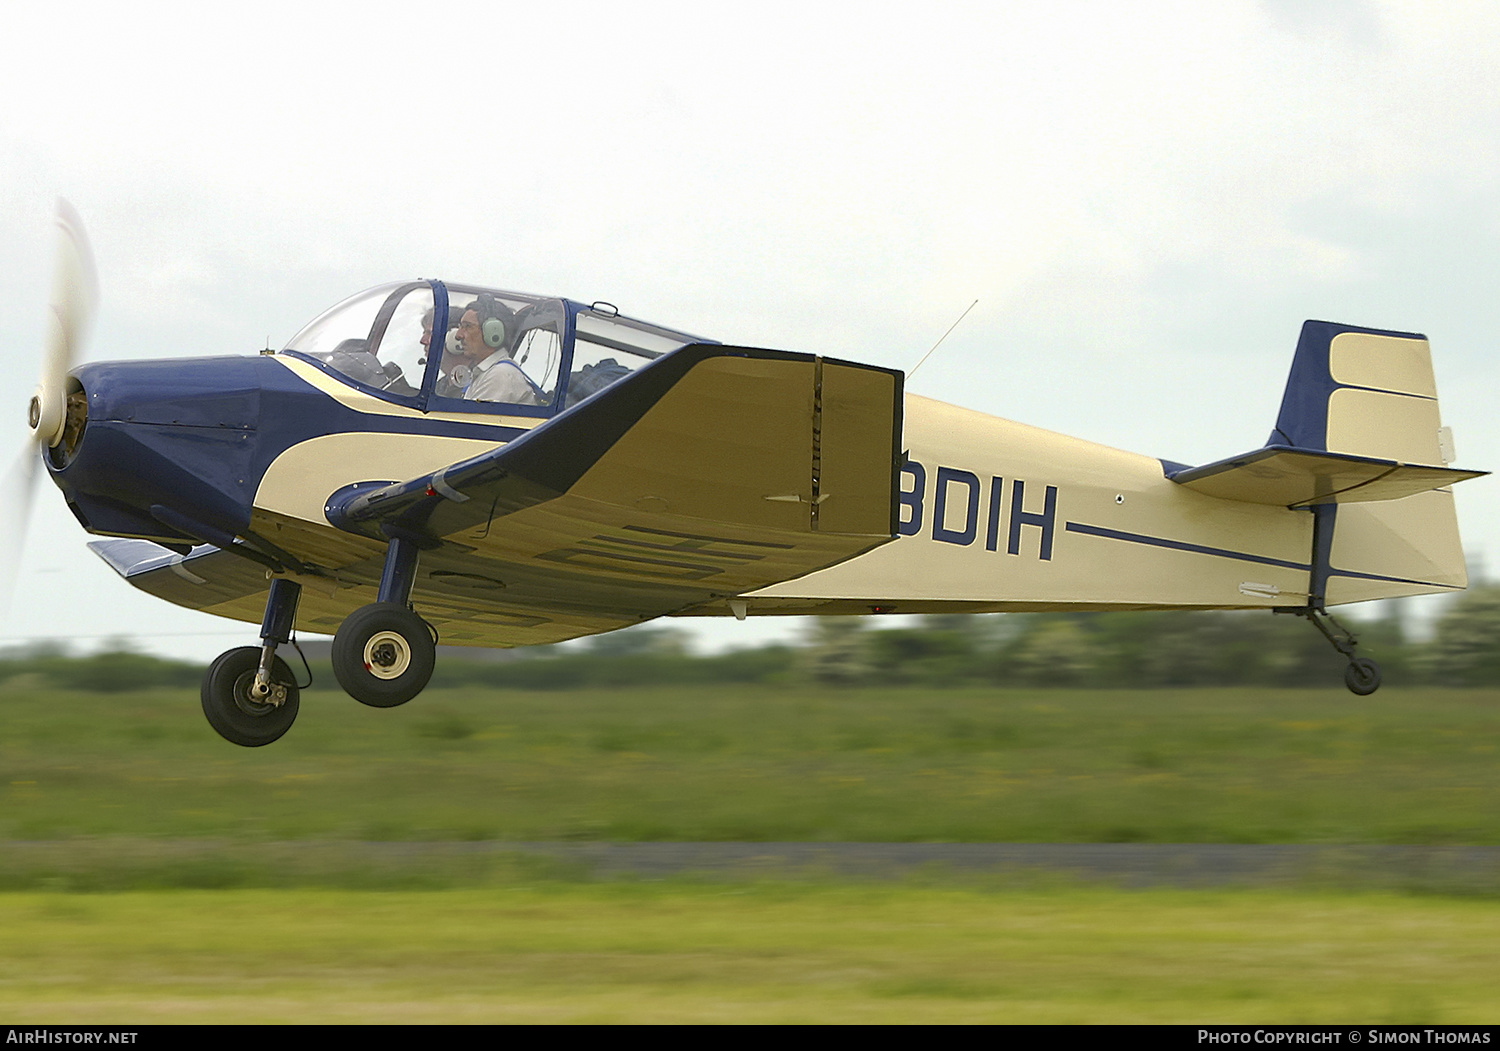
x: 1361, y: 675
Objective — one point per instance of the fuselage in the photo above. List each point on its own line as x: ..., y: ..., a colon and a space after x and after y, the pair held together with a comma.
x: 993, y: 514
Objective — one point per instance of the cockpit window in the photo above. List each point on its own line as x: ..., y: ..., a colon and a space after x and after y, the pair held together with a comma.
x: 608, y: 347
x: 501, y: 348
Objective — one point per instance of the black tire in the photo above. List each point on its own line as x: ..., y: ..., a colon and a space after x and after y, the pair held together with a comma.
x: 237, y: 716
x: 1362, y: 676
x: 383, y: 655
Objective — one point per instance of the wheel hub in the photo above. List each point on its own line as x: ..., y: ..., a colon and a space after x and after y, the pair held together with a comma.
x: 246, y: 700
x: 387, y: 655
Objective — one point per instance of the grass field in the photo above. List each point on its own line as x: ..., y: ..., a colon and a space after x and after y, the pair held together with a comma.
x: 779, y: 952
x: 1232, y: 765
x: 114, y: 786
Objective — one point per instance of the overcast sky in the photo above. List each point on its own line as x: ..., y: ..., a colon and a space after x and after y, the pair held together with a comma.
x: 1147, y: 199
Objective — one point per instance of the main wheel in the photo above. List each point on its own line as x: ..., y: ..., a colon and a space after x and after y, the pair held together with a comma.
x: 1362, y: 676
x: 383, y: 654
x: 238, y: 715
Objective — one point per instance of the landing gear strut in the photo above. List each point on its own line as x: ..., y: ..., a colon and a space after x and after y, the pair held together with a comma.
x: 383, y: 654
x: 249, y: 694
x: 1362, y: 675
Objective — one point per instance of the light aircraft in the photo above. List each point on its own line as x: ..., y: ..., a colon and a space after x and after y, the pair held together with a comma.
x: 429, y: 461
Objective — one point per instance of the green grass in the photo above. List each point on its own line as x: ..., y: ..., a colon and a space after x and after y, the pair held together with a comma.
x: 1231, y: 765
x: 294, y: 920
x: 777, y: 952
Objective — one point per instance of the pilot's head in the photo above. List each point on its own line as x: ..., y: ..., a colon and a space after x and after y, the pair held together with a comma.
x: 485, y: 326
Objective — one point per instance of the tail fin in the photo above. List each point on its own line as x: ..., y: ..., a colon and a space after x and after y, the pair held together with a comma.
x: 1360, y: 443
x: 1365, y: 393
x: 1362, y: 392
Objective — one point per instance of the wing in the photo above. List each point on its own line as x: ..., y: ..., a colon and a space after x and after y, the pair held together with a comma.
x: 712, y: 472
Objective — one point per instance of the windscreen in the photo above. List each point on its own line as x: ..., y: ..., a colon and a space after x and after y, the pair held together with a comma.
x: 377, y: 338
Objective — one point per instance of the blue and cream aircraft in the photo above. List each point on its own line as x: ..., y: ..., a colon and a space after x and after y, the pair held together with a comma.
x: 432, y: 461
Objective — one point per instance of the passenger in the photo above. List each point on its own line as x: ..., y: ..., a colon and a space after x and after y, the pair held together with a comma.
x: 448, y: 385
x: 427, y: 318
x: 485, y: 333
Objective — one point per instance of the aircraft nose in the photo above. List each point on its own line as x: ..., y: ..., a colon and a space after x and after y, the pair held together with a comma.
x: 145, y: 435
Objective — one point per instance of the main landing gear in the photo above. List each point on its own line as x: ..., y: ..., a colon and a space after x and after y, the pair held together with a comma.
x: 383, y: 655
x: 1361, y: 675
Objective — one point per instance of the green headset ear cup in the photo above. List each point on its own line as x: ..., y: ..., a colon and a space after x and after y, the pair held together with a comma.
x: 493, y: 331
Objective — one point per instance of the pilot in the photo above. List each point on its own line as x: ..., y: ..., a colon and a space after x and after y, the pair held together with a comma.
x: 485, y: 333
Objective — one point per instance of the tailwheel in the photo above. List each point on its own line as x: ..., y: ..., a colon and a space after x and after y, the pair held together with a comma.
x: 1362, y: 675
x: 233, y: 706
x: 383, y: 654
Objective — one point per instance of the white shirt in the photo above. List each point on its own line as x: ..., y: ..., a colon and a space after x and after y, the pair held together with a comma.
x: 498, y: 378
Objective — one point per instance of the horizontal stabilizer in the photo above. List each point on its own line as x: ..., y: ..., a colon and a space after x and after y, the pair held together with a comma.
x: 1288, y: 477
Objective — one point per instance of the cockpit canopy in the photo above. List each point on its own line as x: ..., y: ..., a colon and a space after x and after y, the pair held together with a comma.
x: 469, y: 349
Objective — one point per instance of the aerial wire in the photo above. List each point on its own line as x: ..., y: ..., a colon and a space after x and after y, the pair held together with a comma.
x: 944, y: 336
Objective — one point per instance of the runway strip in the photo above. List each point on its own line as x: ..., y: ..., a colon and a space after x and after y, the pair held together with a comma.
x: 205, y: 862
x: 1127, y: 864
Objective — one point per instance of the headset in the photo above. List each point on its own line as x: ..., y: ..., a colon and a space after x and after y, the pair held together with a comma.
x: 492, y: 320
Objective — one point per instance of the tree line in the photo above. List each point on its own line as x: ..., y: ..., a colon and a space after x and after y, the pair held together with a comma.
x: 1154, y: 649
x: 1125, y: 649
